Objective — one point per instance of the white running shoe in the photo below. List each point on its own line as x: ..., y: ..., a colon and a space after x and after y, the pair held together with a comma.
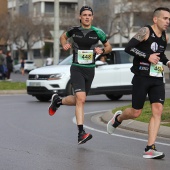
x: 112, y: 124
x: 153, y: 154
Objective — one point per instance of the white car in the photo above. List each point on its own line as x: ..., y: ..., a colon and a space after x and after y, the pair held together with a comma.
x: 28, y: 66
x: 112, y: 79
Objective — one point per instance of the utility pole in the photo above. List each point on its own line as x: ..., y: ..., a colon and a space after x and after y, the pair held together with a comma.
x: 56, y: 46
x: 120, y: 31
x: 84, y: 3
x: 12, y: 50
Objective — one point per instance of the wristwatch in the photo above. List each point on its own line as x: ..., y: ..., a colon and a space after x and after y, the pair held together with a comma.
x: 103, y: 51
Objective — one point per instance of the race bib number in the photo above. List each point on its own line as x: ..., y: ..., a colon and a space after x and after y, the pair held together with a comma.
x: 156, y: 70
x: 85, y: 56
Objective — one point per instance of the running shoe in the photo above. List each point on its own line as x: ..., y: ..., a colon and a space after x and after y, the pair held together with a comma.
x: 113, y: 124
x: 55, y: 104
x: 83, y: 137
x: 153, y: 154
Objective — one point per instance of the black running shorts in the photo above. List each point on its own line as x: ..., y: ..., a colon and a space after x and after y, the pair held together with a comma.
x: 143, y: 85
x: 81, y: 78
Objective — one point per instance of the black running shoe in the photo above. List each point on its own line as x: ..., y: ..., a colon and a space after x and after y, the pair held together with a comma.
x: 55, y: 104
x: 83, y: 137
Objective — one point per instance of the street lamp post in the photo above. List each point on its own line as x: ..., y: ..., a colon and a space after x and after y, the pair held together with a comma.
x: 120, y: 31
x: 84, y: 3
x: 56, y: 32
x: 12, y: 51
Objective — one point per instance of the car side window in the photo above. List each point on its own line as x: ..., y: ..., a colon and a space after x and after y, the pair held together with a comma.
x: 122, y: 57
x: 111, y: 58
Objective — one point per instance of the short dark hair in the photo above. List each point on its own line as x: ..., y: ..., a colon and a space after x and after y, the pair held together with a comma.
x: 160, y: 9
x: 86, y: 8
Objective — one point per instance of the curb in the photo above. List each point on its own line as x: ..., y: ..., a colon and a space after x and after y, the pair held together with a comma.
x: 2, y: 92
x: 135, y: 126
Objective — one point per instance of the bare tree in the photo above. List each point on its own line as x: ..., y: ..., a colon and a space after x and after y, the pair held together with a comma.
x: 125, y: 16
x: 4, y: 25
x: 25, y: 33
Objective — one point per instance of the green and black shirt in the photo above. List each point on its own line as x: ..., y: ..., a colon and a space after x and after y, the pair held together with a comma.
x: 84, y: 42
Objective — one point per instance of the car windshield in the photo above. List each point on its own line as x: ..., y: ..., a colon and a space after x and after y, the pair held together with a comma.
x: 114, y: 57
x: 67, y: 61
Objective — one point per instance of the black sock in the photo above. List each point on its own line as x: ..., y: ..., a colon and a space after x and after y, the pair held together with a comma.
x: 116, y: 119
x: 150, y: 147
x: 59, y: 102
x: 80, y: 128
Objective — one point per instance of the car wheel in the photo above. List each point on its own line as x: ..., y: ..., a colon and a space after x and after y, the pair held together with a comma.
x: 69, y: 89
x: 43, y: 98
x: 114, y: 97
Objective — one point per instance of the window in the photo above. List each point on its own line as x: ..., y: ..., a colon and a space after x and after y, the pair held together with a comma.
x: 109, y: 58
x: 49, y: 7
x: 122, y: 57
x: 23, y: 9
x: 67, y: 9
x: 37, y: 9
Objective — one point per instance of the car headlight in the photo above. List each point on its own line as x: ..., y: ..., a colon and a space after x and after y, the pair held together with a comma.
x: 56, y: 76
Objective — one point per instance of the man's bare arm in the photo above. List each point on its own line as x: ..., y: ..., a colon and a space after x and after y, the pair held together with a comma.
x: 142, y: 34
x: 63, y: 41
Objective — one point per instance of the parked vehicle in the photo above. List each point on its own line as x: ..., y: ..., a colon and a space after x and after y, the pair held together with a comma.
x: 28, y: 66
x: 112, y: 79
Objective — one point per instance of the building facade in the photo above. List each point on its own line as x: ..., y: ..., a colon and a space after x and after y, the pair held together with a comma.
x: 120, y: 19
x: 43, y: 10
x: 123, y: 18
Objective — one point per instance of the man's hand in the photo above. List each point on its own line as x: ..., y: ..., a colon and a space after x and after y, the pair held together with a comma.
x: 154, y: 58
x: 98, y: 50
x: 66, y: 46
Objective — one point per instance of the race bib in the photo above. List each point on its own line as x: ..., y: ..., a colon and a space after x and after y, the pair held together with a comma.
x: 85, y: 56
x: 156, y: 70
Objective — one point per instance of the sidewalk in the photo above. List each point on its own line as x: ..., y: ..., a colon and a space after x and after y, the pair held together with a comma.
x: 3, y: 92
x: 134, y: 125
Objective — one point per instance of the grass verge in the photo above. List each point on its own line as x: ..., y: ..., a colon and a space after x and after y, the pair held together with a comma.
x: 146, y: 113
x: 5, y: 85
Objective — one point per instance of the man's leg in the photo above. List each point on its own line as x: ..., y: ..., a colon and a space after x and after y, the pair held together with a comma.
x: 80, y: 101
x: 69, y: 100
x: 154, y: 123
x: 79, y: 112
x: 119, y: 116
x: 157, y: 97
x: 129, y: 113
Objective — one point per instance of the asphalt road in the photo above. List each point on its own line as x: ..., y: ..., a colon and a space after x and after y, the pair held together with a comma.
x: 31, y: 139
